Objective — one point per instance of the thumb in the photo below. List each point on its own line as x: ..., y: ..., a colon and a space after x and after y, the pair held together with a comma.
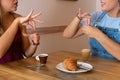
x: 26, y: 35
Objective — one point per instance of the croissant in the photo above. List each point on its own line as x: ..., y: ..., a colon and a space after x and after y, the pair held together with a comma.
x: 70, y: 64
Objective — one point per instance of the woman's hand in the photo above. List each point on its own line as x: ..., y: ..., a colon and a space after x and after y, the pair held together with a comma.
x: 31, y: 23
x: 30, y: 19
x: 91, y: 31
x: 83, y: 15
x: 88, y: 30
x: 35, y: 37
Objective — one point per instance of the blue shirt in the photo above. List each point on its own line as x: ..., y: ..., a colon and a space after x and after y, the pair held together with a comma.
x: 109, y: 26
x: 106, y: 21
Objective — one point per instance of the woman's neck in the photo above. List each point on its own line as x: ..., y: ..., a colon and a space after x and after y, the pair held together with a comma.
x: 114, y: 12
x: 7, y: 19
x: 5, y: 13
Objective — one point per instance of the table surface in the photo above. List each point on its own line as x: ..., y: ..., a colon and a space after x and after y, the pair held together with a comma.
x: 26, y: 69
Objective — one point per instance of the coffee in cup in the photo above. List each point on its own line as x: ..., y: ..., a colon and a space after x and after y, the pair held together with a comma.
x: 85, y: 54
x: 42, y: 58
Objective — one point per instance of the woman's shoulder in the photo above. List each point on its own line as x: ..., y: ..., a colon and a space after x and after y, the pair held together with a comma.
x: 20, y: 25
x: 96, y: 14
x: 16, y: 15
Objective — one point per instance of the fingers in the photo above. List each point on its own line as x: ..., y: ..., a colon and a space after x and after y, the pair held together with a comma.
x: 87, y: 18
x: 27, y: 18
x: 80, y: 12
x: 31, y: 25
x: 35, y: 37
x: 38, y: 14
x: 36, y: 20
x: 83, y: 14
x: 30, y: 14
x: 86, y: 15
x: 88, y: 22
x: 31, y: 19
x: 26, y: 35
x: 85, y: 30
x: 39, y: 21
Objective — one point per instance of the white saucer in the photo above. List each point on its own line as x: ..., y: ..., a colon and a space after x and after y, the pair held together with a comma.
x: 87, y: 67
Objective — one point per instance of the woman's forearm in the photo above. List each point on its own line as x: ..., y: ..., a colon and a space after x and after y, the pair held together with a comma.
x: 7, y: 37
x: 111, y: 46
x: 72, y: 28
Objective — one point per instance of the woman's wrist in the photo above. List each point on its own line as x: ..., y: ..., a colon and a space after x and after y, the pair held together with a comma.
x: 102, y: 38
x: 17, y: 20
x: 35, y: 44
x: 78, y: 17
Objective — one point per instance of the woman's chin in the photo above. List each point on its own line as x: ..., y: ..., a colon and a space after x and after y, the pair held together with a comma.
x: 103, y: 9
x: 15, y: 9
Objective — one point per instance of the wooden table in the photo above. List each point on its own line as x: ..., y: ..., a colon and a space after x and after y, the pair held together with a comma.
x: 104, y: 69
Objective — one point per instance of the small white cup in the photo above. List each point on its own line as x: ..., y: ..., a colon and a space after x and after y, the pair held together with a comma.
x: 42, y: 58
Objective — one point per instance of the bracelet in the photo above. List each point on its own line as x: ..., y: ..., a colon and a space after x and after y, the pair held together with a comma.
x: 78, y: 17
x: 103, y: 40
x: 34, y: 43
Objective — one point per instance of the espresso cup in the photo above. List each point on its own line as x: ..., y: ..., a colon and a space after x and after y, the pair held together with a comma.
x: 42, y: 58
x: 85, y: 54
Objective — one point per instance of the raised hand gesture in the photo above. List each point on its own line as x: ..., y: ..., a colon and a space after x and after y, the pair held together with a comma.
x: 30, y: 19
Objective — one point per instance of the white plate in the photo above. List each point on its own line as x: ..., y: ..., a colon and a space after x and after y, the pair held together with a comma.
x: 85, y: 65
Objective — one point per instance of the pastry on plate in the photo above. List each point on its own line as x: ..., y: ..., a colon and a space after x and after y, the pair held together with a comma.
x: 70, y: 64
